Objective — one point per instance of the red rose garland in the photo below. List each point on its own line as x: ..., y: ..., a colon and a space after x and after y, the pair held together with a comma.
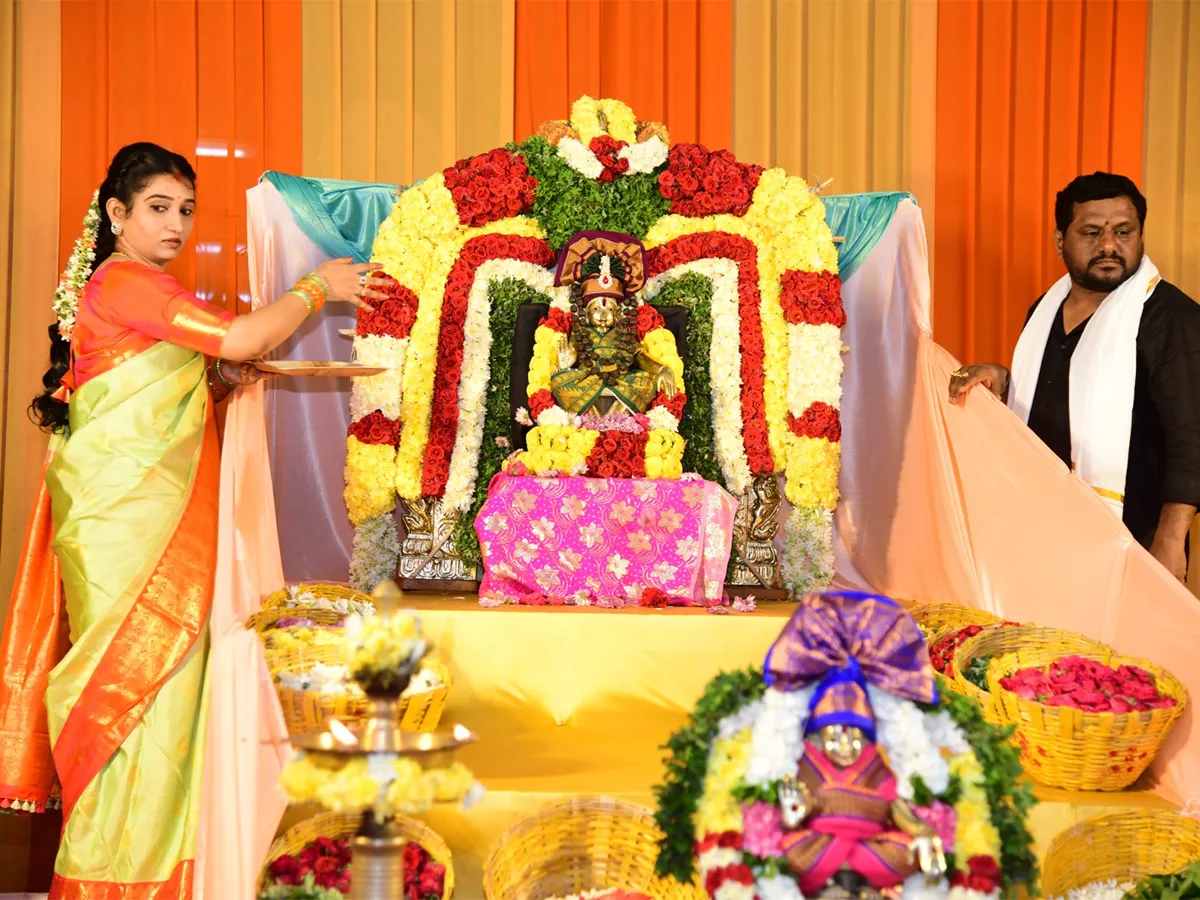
x: 699, y: 183
x: 606, y: 149
x: 721, y: 245
x: 443, y: 426
x: 618, y: 454
x: 539, y: 402
x: 376, y: 428
x: 557, y: 320
x: 393, y: 316
x: 490, y: 187
x: 820, y: 420
x: 674, y: 405
x: 738, y: 874
x: 812, y: 298
x: 648, y: 319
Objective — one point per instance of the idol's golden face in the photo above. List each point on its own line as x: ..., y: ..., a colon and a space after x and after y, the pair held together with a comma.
x: 602, y: 313
x: 159, y: 221
x: 841, y: 744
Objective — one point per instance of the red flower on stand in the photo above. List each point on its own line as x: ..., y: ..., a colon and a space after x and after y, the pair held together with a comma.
x: 490, y: 187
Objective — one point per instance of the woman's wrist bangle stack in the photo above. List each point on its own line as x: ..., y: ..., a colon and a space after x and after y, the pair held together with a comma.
x: 216, y: 370
x: 313, y: 289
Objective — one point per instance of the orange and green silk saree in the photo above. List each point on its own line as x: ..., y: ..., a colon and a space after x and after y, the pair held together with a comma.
x: 132, y: 493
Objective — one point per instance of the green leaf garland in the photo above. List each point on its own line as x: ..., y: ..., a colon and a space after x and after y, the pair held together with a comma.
x: 505, y: 298
x: 687, y: 765
x: 567, y: 202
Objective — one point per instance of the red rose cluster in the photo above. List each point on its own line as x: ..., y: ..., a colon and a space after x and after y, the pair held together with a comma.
x: 540, y: 402
x: 812, y: 298
x: 606, y: 149
x: 326, y: 859
x: 394, y: 316
x: 982, y: 874
x: 443, y: 425
x: 557, y: 320
x: 618, y: 454
x: 722, y: 875
x: 673, y: 405
x: 376, y: 428
x: 424, y: 879
x: 699, y: 183
x: 1088, y: 685
x: 490, y: 187
x: 654, y: 598
x: 722, y: 245
x: 941, y: 654
x: 648, y: 318
x: 820, y: 420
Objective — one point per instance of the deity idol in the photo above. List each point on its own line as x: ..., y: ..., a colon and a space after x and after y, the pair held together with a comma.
x: 847, y: 832
x: 601, y: 363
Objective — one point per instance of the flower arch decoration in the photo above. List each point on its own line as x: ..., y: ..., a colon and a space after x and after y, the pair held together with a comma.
x: 746, y: 250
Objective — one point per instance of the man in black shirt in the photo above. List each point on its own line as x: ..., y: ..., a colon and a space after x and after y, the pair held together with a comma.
x: 1149, y: 354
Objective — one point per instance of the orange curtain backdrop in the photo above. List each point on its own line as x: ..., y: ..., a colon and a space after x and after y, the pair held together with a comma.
x: 215, y: 80
x: 670, y: 60
x: 1030, y: 93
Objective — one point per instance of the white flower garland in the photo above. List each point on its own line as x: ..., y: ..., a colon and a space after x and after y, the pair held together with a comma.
x: 777, y: 739
x: 644, y: 157
x: 376, y: 553
x: 725, y: 366
x: 814, y: 366
x: 300, y: 596
x: 744, y: 718
x: 808, y: 549
x: 383, y: 391
x: 901, y: 732
x: 1100, y: 890
x: 79, y: 269
x: 781, y: 887
x: 476, y: 373
x: 580, y: 158
x: 662, y: 419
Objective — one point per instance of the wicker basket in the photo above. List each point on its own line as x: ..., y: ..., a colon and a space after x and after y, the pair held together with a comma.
x: 938, y: 618
x: 341, y: 825
x: 1061, y: 746
x: 309, y: 712
x: 578, y: 845
x: 1125, y: 846
x: 264, y: 620
x: 326, y: 591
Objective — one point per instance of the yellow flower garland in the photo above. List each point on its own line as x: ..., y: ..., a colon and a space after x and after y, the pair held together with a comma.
x: 718, y: 810
x: 974, y: 833
x: 659, y: 345
x: 347, y: 786
x: 370, y: 491
x: 622, y: 123
x: 545, y: 354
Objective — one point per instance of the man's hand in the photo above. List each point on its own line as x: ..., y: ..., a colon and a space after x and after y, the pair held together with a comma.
x: 1173, y: 524
x: 992, y: 377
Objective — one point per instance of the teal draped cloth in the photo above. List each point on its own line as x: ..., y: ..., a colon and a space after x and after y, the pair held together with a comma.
x: 861, y: 219
x: 341, y: 217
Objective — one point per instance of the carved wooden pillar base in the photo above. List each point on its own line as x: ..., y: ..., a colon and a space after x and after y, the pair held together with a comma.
x: 754, y: 564
x: 428, y: 561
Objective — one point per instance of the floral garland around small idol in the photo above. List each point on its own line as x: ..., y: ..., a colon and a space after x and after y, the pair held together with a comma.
x: 725, y: 811
x: 78, y: 271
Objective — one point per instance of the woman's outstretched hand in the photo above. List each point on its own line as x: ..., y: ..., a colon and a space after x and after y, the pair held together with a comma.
x: 350, y: 282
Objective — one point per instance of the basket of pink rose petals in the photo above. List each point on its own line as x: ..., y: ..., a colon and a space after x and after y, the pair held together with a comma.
x: 1086, y: 718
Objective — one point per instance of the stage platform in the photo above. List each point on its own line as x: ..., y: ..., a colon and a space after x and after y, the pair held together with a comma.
x: 571, y: 701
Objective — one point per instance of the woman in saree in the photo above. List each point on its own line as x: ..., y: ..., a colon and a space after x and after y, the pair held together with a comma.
x: 126, y: 521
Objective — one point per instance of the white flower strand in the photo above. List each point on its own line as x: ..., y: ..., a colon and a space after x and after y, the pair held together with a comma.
x: 79, y: 269
x: 808, y: 549
x: 376, y: 553
x: 744, y: 718
x: 646, y: 156
x: 381, y: 392
x: 725, y: 364
x: 780, y: 887
x: 814, y: 366
x: 476, y: 372
x: 777, y: 739
x: 580, y: 158
x: 1100, y: 890
x: 901, y: 733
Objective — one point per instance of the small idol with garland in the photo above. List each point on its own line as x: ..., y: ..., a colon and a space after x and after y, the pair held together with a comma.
x: 839, y: 772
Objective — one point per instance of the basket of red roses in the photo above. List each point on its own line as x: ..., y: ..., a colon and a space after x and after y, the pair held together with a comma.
x: 1087, y: 719
x: 942, y: 649
x: 1123, y: 847
x: 935, y: 619
x: 312, y: 860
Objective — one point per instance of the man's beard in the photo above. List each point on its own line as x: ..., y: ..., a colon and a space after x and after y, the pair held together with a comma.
x: 1103, y: 282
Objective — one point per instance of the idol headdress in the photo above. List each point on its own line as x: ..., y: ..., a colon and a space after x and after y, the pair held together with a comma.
x: 841, y: 642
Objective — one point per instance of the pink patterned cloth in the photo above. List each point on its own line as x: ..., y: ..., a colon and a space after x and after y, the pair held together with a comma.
x: 604, y: 541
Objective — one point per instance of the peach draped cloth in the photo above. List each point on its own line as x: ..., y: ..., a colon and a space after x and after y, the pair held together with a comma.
x: 966, y: 505
x: 247, y: 738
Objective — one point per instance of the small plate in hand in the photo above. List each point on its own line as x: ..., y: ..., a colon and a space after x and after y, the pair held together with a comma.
x: 320, y: 369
